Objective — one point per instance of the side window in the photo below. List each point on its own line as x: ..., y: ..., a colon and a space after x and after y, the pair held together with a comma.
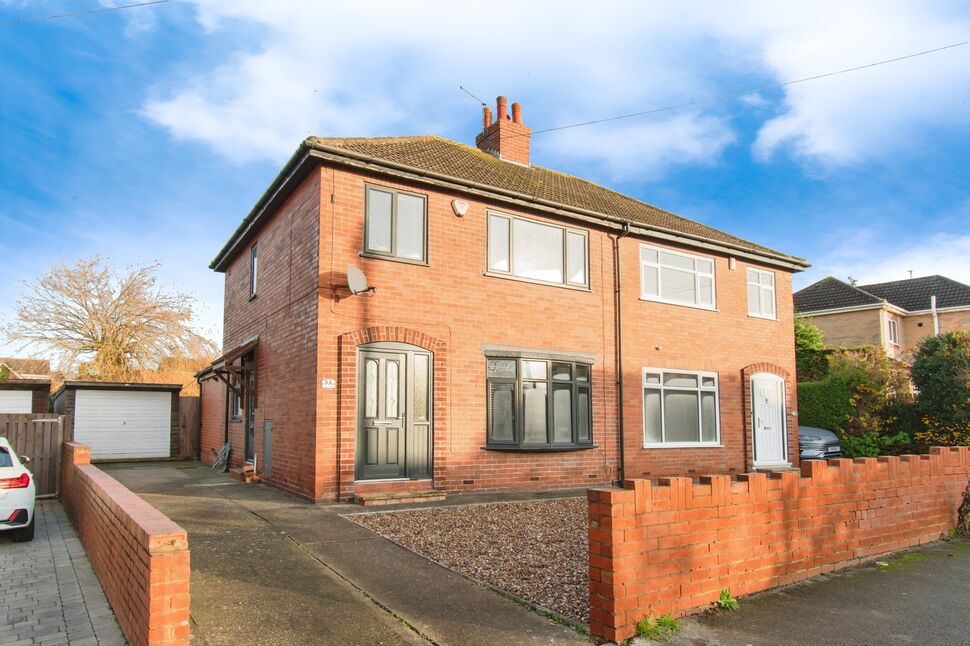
x: 235, y: 401
x: 893, y: 332
x: 761, y: 293
x: 674, y: 277
x: 253, y: 269
x: 537, y: 251
x: 395, y: 224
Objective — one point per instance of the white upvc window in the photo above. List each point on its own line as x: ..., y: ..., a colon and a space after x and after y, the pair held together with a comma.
x: 253, y: 268
x: 537, y: 251
x: 761, y: 294
x: 675, y: 277
x: 680, y: 408
x: 894, y: 331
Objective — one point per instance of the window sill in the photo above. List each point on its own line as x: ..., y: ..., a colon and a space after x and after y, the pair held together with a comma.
x: 406, y: 261
x: 706, y: 308
x: 684, y: 445
x: 252, y: 297
x: 540, y: 449
x: 762, y: 317
x: 235, y: 419
x: 575, y: 288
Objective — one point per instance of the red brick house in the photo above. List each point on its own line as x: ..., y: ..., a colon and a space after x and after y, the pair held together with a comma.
x: 526, y: 328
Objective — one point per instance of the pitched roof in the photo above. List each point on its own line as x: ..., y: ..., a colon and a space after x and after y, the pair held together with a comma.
x: 33, y: 367
x: 445, y: 157
x: 914, y: 294
x: 831, y: 293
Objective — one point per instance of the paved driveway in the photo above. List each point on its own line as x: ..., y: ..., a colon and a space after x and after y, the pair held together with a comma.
x: 48, y: 592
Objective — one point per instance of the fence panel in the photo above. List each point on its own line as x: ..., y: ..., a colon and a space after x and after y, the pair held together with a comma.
x: 38, y: 436
x: 189, y: 428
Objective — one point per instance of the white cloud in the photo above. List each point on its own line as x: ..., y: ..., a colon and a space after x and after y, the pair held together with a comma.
x: 870, y: 259
x: 385, y: 68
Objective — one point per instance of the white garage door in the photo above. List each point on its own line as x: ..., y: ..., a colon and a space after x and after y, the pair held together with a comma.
x: 15, y: 401
x: 123, y: 424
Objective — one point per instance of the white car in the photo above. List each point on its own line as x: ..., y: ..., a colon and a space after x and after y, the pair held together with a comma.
x: 16, y: 494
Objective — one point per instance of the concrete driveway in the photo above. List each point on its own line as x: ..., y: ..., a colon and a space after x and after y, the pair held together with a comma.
x: 919, y: 597
x: 270, y: 569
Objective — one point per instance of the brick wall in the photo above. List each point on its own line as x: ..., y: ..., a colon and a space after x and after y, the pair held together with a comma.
x: 283, y: 315
x: 673, y: 547
x: 863, y: 327
x: 212, y: 395
x: 140, y: 556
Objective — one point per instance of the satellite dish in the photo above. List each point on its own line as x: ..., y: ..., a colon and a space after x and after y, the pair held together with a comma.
x: 357, y: 281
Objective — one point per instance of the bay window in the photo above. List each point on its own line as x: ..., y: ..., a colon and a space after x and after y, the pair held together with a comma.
x: 538, y: 403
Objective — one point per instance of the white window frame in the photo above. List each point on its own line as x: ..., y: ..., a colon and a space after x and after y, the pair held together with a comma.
x: 235, y: 402
x: 697, y: 274
x: 761, y: 289
x: 893, y: 331
x: 565, y: 250
x: 253, y: 268
x: 716, y: 389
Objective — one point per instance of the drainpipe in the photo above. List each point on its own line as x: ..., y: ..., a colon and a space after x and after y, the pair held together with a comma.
x: 936, y: 316
x: 618, y: 333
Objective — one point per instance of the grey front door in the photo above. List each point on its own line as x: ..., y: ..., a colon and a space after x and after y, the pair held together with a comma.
x: 394, y: 412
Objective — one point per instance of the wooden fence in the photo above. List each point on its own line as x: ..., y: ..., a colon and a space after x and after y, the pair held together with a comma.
x: 189, y: 428
x: 38, y: 436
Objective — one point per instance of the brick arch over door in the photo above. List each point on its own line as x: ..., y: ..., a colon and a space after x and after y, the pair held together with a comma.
x: 791, y: 405
x: 347, y: 441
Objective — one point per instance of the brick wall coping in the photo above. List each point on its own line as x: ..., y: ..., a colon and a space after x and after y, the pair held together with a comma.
x: 154, y: 531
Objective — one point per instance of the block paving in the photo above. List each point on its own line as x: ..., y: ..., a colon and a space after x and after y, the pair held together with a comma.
x: 49, y: 595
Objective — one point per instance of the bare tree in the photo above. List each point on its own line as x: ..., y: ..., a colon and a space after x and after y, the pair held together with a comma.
x: 111, y: 325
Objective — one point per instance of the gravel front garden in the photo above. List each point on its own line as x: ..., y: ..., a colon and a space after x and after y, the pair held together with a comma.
x: 537, y: 550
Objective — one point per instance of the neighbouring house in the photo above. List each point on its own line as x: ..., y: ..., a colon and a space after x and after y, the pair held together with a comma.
x: 121, y: 421
x: 25, y: 385
x: 893, y: 315
x: 524, y: 328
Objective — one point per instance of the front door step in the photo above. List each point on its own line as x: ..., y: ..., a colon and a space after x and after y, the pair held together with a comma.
x: 398, y: 498
x: 244, y: 474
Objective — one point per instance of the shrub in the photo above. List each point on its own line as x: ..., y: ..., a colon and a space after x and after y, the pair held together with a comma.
x: 938, y: 433
x: 872, y: 445
x: 811, y: 356
x: 826, y: 403
x: 941, y: 373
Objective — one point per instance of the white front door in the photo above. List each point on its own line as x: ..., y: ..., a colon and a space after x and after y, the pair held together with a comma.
x: 768, y: 409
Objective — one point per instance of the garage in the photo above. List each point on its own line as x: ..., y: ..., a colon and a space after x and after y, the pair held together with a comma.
x: 122, y: 421
x: 21, y: 396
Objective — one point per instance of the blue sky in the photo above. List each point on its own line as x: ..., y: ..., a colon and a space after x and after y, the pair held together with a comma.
x: 147, y: 134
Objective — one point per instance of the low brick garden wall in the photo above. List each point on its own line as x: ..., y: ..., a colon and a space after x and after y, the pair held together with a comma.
x: 672, y: 547
x: 140, y: 556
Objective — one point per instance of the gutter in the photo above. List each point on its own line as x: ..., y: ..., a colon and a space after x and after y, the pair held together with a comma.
x: 341, y: 156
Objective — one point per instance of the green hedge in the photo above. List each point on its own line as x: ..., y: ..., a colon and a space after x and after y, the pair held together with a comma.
x: 827, y: 403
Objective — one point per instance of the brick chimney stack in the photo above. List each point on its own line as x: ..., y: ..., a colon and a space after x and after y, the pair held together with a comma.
x: 506, y: 138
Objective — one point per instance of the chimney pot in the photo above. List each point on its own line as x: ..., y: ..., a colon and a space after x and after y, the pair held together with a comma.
x: 487, y: 117
x: 517, y: 112
x: 502, y: 110
x: 504, y: 135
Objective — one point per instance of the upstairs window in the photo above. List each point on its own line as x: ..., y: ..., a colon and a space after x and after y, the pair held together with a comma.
x: 761, y: 293
x: 395, y: 224
x: 675, y: 277
x: 253, y: 268
x: 538, y: 404
x: 536, y: 251
x: 894, y: 331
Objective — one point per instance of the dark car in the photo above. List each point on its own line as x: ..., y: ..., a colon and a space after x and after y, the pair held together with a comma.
x: 818, y: 443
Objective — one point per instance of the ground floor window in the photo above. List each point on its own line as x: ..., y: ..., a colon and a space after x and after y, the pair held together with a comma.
x: 538, y: 404
x: 680, y: 408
